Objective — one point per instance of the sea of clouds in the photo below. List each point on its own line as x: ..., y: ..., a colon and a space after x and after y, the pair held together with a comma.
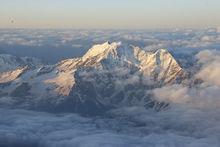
x: 191, y: 120
x: 67, y: 43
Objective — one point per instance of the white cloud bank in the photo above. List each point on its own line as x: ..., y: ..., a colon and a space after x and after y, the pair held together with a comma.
x: 210, y: 72
x: 145, y: 128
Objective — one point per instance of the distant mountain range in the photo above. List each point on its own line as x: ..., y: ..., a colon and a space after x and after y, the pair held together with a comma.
x: 109, y: 75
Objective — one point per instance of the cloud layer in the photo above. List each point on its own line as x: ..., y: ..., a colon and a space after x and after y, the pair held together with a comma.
x: 73, y: 43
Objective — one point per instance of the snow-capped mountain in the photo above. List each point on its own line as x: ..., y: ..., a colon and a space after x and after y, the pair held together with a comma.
x: 10, y: 62
x: 108, y: 75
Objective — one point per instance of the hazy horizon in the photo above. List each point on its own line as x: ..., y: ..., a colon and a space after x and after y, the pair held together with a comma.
x: 99, y: 14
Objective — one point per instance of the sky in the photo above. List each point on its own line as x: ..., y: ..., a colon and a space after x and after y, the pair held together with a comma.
x: 109, y: 14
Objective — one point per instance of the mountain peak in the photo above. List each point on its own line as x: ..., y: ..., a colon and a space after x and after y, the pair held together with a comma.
x: 101, y: 50
x: 161, y: 66
x: 107, y: 43
x: 90, y: 80
x: 163, y: 50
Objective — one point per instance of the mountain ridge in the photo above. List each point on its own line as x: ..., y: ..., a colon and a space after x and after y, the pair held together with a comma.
x: 106, y: 76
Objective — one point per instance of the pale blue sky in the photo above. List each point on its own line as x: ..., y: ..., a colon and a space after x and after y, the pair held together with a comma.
x: 134, y: 14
